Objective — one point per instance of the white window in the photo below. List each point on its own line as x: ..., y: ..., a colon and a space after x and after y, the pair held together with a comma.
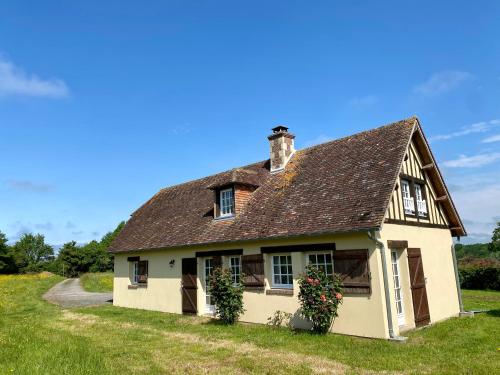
x: 235, y: 264
x: 226, y: 202
x: 408, y: 202
x: 139, y: 272
x: 209, y: 305
x: 282, y: 271
x: 323, y: 261
x: 421, y: 204
x: 397, y: 288
x: 135, y: 272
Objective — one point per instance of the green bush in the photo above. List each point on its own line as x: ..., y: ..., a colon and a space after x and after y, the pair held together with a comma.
x: 320, y: 297
x: 228, y: 298
x: 480, y: 277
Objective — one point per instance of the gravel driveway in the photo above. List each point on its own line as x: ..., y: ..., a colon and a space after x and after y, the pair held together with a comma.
x: 69, y: 293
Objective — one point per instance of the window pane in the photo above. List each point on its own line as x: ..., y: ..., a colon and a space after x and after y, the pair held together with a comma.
x: 329, y: 269
x: 312, y: 259
x: 321, y: 259
x: 289, y: 259
x: 284, y: 279
x: 276, y: 279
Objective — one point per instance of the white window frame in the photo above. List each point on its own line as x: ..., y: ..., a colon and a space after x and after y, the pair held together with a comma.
x: 398, y: 297
x: 408, y: 202
x: 273, y: 264
x: 325, y: 253
x: 235, y: 269
x: 226, y: 207
x: 135, y: 272
x: 421, y: 203
x: 207, y: 271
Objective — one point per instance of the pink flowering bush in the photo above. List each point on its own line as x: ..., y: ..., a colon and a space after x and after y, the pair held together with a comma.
x: 320, y: 297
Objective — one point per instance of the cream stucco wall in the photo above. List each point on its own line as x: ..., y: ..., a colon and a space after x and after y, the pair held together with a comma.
x: 435, y: 245
x: 361, y: 315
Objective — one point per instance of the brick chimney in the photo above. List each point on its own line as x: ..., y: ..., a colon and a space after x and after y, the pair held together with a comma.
x: 282, y: 148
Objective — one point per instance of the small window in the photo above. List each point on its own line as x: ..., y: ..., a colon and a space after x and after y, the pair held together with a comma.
x: 226, y: 202
x: 140, y: 272
x: 323, y: 261
x: 421, y: 203
x: 408, y: 203
x: 235, y: 264
x: 282, y: 271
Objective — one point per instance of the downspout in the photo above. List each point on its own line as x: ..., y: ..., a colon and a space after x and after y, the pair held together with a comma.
x: 457, y: 278
x: 379, y: 244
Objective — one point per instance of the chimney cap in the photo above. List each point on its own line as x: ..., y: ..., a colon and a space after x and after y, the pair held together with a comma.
x: 279, y: 128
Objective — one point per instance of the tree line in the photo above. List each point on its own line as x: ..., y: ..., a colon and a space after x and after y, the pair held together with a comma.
x: 31, y: 254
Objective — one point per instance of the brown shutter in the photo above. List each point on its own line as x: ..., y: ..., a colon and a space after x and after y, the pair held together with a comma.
x: 352, y: 267
x: 217, y: 203
x: 217, y: 261
x: 252, y: 268
x: 143, y: 271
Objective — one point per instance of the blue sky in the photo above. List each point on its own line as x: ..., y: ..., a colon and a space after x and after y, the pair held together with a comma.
x: 104, y: 103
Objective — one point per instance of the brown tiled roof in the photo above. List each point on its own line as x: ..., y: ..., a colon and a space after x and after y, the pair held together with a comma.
x: 339, y: 186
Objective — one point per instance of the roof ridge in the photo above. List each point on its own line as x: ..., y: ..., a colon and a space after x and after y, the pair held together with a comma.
x: 408, y: 119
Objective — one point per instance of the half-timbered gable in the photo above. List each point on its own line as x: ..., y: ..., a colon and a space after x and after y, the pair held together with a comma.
x: 414, y: 200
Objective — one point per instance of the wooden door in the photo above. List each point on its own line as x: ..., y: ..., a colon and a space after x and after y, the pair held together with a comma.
x: 189, y: 286
x: 418, y: 291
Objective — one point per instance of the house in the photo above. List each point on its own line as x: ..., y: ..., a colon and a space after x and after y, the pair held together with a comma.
x: 372, y: 207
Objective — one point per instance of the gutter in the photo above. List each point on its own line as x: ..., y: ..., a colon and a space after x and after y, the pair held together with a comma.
x: 457, y: 281
x: 379, y: 244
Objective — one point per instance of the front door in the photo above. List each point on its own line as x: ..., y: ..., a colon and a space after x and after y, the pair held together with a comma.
x: 418, y: 291
x: 189, y: 286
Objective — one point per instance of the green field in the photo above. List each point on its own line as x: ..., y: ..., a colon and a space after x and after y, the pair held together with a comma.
x: 39, y: 338
x: 97, y: 282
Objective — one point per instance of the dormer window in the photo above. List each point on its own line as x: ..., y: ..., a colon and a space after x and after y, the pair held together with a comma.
x: 226, y: 202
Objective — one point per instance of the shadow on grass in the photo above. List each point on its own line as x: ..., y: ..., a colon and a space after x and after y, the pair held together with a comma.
x: 495, y: 313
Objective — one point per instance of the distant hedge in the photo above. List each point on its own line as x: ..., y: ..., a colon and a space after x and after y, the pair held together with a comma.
x: 479, y: 274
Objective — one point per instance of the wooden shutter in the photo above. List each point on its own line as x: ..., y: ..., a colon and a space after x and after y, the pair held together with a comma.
x: 143, y: 272
x: 352, y: 267
x: 252, y: 268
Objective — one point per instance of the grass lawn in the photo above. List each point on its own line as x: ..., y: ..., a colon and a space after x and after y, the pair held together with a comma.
x: 39, y: 338
x: 97, y: 282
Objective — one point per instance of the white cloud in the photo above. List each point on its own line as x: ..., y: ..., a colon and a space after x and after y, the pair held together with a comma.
x: 474, y: 161
x: 442, y: 82
x: 14, y: 81
x: 478, y: 127
x: 24, y: 185
x: 479, y: 209
x: 363, y: 102
x: 493, y: 138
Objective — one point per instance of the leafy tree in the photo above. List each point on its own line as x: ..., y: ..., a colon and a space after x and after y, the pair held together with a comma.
x: 494, y: 245
x: 71, y: 260
x: 91, y: 257
x: 31, y: 252
x: 228, y: 298
x: 7, y: 263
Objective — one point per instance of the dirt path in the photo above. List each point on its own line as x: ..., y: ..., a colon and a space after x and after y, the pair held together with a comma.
x: 69, y: 293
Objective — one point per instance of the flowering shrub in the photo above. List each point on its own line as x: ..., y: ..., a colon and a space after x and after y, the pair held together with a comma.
x: 320, y: 297
x: 228, y: 298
